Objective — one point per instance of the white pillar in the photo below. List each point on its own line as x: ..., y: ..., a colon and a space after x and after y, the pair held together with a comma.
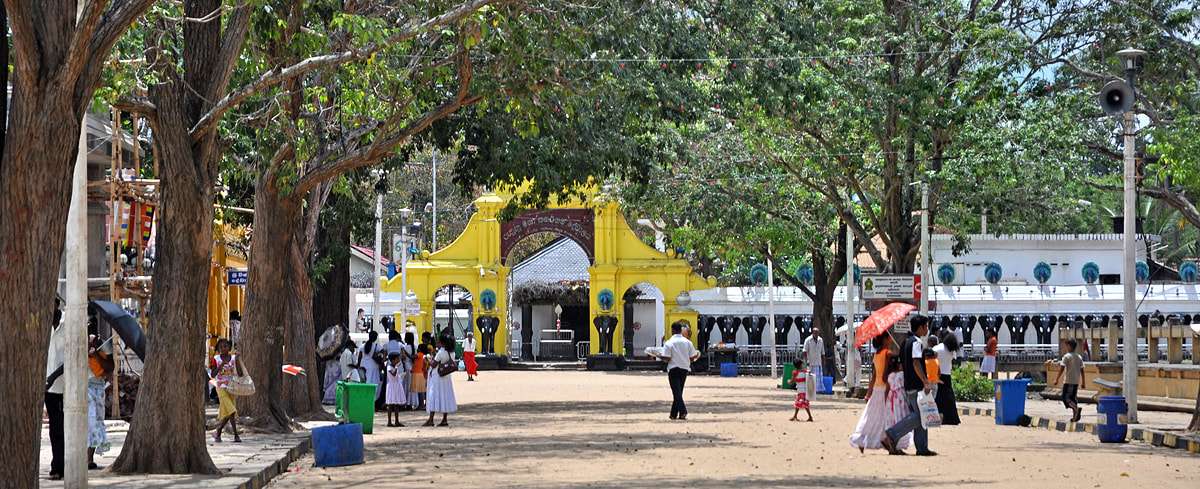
x: 1129, y: 273
x: 75, y: 424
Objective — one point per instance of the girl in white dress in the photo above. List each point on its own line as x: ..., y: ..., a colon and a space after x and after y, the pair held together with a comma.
x: 440, y: 398
x: 395, y: 389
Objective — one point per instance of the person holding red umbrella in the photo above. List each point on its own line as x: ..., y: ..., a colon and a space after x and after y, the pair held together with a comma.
x: 912, y: 362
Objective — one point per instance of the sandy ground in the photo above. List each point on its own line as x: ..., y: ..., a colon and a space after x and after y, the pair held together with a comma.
x: 588, y: 429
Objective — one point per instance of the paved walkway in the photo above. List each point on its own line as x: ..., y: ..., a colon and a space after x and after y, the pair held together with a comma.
x: 244, y: 465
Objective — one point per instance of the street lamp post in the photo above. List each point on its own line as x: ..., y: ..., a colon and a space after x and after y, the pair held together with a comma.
x: 380, y: 189
x: 1130, y: 59
x: 404, y: 213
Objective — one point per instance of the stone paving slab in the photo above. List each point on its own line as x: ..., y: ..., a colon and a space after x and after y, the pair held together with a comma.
x: 247, y: 465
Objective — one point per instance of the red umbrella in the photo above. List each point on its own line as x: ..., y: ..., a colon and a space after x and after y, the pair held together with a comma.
x: 880, y: 321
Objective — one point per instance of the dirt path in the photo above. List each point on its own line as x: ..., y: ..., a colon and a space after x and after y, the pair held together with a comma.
x: 584, y: 429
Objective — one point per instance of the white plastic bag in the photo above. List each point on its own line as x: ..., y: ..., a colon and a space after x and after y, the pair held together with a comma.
x: 927, y: 403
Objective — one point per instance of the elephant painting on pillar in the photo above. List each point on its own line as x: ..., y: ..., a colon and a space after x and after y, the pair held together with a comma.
x: 605, y: 327
x: 488, y: 326
x: 728, y: 326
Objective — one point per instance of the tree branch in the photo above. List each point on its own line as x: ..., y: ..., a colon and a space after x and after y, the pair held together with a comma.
x: 281, y: 74
x: 384, y: 145
x: 1178, y: 200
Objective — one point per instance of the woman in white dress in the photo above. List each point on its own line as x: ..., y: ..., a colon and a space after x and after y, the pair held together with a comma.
x: 877, y: 415
x: 440, y: 398
x: 372, y: 353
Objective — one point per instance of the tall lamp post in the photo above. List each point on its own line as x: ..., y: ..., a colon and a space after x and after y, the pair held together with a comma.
x: 404, y: 214
x: 1118, y: 98
x: 380, y: 189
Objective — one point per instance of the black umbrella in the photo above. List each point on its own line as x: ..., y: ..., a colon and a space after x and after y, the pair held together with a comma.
x: 125, y: 326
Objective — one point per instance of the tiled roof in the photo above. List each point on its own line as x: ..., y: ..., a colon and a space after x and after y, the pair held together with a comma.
x: 560, y: 260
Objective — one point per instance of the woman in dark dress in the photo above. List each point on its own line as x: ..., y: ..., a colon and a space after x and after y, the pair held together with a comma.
x: 946, y: 351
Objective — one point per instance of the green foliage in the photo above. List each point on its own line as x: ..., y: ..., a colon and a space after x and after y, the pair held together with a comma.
x: 969, y: 386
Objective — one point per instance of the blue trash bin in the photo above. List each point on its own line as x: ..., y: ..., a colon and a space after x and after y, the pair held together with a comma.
x: 826, y: 385
x: 1010, y: 400
x: 338, y: 445
x: 1111, y: 424
x: 728, y: 369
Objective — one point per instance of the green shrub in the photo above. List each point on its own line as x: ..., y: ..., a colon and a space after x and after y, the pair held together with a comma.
x: 969, y: 386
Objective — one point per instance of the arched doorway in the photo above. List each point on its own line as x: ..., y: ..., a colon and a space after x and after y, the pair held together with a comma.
x: 452, y: 311
x: 642, y: 318
x: 548, y: 288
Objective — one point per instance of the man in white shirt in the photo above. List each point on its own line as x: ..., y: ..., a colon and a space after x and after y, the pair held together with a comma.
x: 469, y: 356
x: 814, y: 354
x: 679, y: 353
x: 54, y: 396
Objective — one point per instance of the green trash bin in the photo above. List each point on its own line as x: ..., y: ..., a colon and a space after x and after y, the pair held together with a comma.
x: 355, y: 403
x: 458, y: 349
x: 787, y: 377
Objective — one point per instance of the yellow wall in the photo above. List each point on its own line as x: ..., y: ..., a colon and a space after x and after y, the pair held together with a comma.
x: 223, y: 298
x: 621, y: 261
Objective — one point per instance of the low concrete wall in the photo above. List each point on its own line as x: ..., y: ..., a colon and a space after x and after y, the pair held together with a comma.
x: 1159, y: 380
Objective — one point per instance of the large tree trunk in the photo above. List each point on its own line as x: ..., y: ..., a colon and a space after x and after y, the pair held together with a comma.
x: 302, y: 395
x: 331, y: 299
x: 167, y: 434
x: 171, y: 397
x: 267, y: 303
x: 35, y: 187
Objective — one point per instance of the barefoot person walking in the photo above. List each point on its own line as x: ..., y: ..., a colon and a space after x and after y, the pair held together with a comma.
x: 679, y: 353
x: 224, y: 367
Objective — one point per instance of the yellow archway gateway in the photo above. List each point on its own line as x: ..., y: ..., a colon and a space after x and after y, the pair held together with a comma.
x: 476, y: 261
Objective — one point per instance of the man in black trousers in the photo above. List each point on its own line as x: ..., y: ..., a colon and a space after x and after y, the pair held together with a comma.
x: 54, y: 395
x: 679, y: 353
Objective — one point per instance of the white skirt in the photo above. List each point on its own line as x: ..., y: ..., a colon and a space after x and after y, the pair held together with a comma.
x: 875, y: 418
x: 988, y: 365
x: 440, y: 395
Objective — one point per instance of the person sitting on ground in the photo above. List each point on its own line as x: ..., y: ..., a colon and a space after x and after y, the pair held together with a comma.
x: 1072, y: 369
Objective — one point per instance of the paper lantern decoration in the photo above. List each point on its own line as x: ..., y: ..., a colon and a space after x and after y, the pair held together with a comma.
x: 1042, y: 272
x: 993, y: 273
x: 488, y: 299
x: 1091, y: 272
x: 1188, y: 272
x: 946, y: 273
x: 1141, y: 272
x: 606, y: 299
x: 805, y: 274
x: 758, y: 274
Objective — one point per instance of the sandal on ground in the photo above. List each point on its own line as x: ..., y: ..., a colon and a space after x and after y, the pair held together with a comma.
x: 237, y: 439
x: 444, y: 423
x: 428, y: 423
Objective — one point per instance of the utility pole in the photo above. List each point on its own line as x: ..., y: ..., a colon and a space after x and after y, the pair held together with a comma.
x: 1130, y: 58
x: 75, y: 425
x: 852, y: 366
x: 404, y: 213
x: 379, y: 191
x: 926, y: 260
x: 433, y: 244
x: 771, y: 311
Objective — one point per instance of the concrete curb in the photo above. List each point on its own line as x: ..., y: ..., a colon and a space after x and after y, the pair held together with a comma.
x: 1156, y: 438
x: 264, y: 476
